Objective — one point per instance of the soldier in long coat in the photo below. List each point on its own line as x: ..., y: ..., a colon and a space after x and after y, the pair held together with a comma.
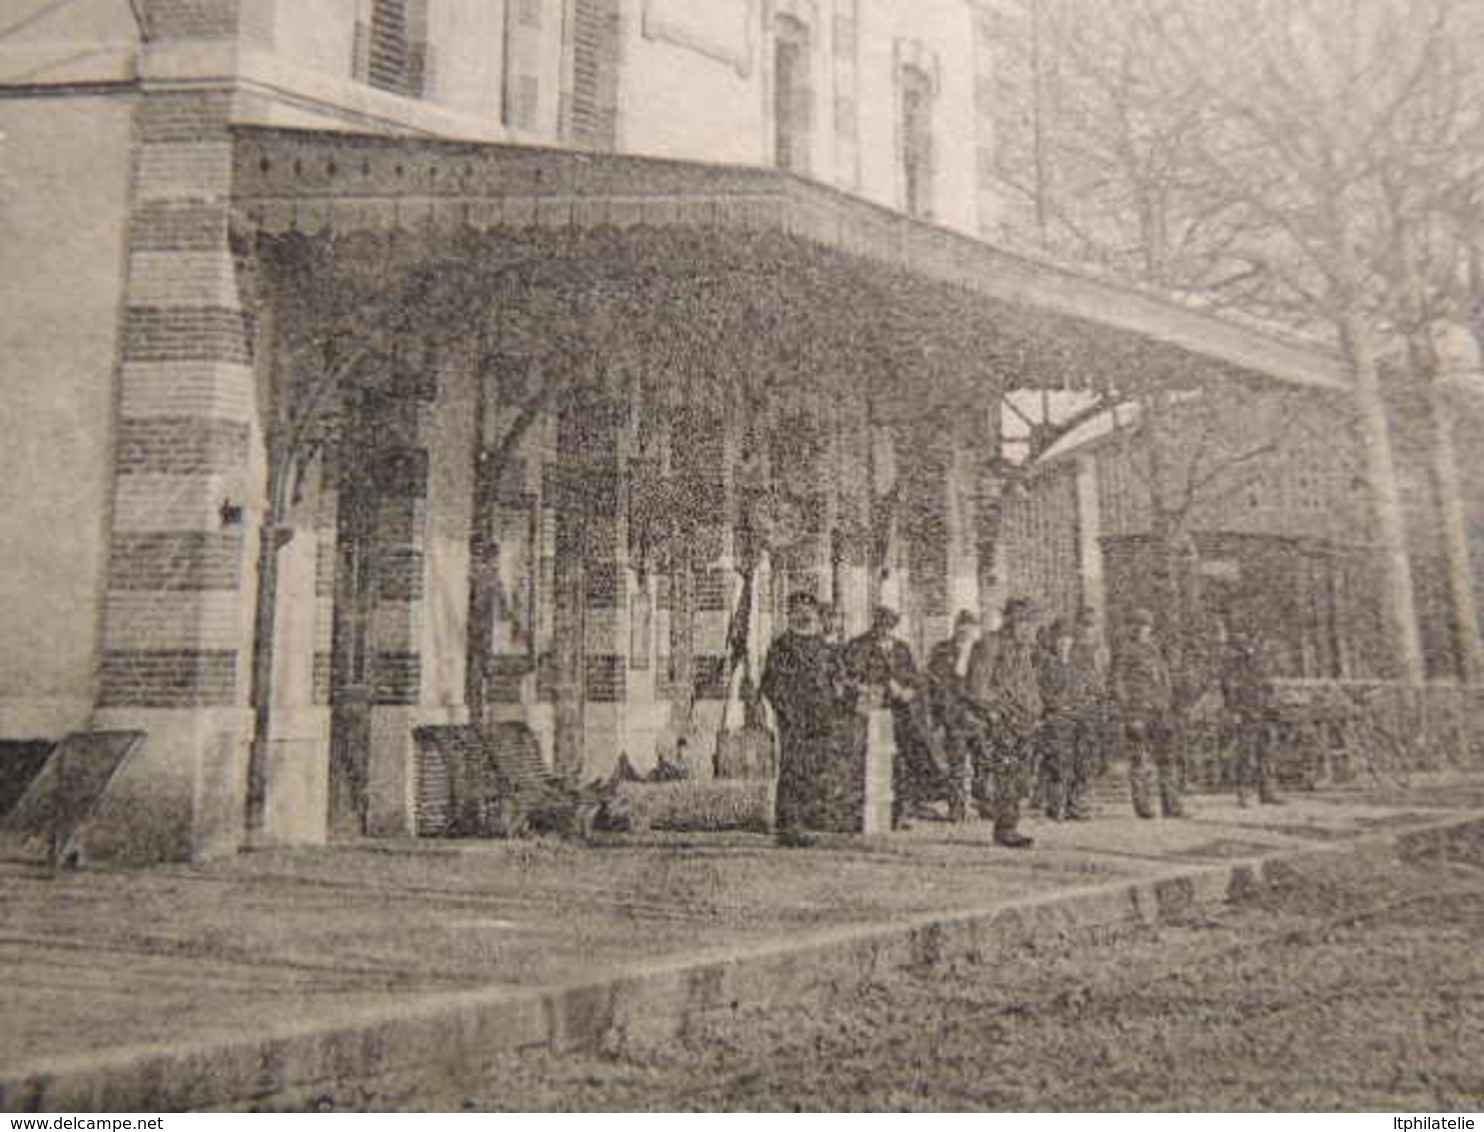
x: 1070, y: 703
x: 1003, y: 684
x: 800, y: 681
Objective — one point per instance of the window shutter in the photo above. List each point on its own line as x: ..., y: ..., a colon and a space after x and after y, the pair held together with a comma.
x: 388, y: 57
x: 595, y: 53
x: 419, y: 53
x: 390, y: 52
x: 522, y: 103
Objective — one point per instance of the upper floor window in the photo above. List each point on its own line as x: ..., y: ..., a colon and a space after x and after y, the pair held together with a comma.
x: 521, y: 102
x: 916, y: 133
x: 793, y: 95
x: 391, y: 46
x: 593, y: 45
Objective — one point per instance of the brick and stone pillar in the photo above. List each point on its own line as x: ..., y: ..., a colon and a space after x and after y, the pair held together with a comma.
x: 590, y: 628
x: 700, y: 463
x: 1090, y: 541
x: 296, y: 775
x: 398, y: 518
x: 188, y: 478
x: 851, y: 552
x: 423, y: 595
x: 926, y: 462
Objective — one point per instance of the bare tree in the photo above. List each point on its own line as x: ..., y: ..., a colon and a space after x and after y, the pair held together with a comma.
x: 1310, y: 162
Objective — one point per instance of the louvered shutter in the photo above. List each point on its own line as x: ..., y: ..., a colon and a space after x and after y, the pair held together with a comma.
x: 596, y: 48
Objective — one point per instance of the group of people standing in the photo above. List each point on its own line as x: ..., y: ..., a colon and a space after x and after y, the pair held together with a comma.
x: 971, y: 728
x: 991, y: 721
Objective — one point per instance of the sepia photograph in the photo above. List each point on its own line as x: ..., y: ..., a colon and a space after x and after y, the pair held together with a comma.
x: 736, y: 556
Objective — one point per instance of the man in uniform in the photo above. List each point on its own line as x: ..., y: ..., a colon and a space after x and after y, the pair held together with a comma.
x: 1246, y: 695
x: 878, y: 661
x: 800, y: 682
x: 1070, y: 704
x: 1002, y: 682
x: 1143, y: 699
x: 948, y: 671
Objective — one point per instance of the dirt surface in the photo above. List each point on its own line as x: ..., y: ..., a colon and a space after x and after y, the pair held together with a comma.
x: 100, y: 960
x: 1348, y: 987
x: 185, y: 958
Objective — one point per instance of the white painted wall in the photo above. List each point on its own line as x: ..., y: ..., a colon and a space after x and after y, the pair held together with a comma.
x: 64, y: 177
x: 677, y: 101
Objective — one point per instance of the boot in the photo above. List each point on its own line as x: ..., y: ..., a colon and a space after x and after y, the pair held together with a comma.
x: 1007, y: 823
x: 1169, y: 798
x: 1012, y: 838
x: 794, y: 838
x: 1139, y: 786
x: 899, y: 820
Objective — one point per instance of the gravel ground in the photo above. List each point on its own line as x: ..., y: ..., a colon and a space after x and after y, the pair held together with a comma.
x: 1348, y: 987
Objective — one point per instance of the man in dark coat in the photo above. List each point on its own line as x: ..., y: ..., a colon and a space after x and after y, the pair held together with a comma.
x: 977, y: 690
x: 1070, y: 703
x: 1246, y: 697
x: 800, y: 682
x: 1143, y: 698
x: 1002, y: 682
x: 948, y: 672
x: 880, y: 663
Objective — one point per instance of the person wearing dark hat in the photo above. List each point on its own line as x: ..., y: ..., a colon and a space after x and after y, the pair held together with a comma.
x: 948, y: 673
x: 1143, y: 699
x: 881, y: 664
x: 800, y: 682
x: 1003, y: 685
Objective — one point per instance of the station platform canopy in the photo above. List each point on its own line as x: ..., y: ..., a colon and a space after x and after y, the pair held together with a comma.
x: 937, y: 305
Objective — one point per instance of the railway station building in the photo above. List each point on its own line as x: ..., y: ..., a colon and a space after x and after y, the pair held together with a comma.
x: 378, y: 363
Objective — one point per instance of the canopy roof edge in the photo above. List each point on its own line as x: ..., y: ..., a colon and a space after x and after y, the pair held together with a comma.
x: 314, y: 182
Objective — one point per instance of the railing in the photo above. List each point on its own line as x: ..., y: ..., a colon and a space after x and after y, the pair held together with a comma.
x: 1342, y: 730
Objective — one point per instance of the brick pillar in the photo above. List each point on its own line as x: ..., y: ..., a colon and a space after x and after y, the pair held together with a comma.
x: 297, y: 757
x: 700, y: 469
x: 401, y: 484
x: 1090, y: 542
x: 853, y: 517
x: 590, y: 630
x: 605, y: 615
x: 424, y: 484
x: 925, y: 464
x: 178, y: 620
